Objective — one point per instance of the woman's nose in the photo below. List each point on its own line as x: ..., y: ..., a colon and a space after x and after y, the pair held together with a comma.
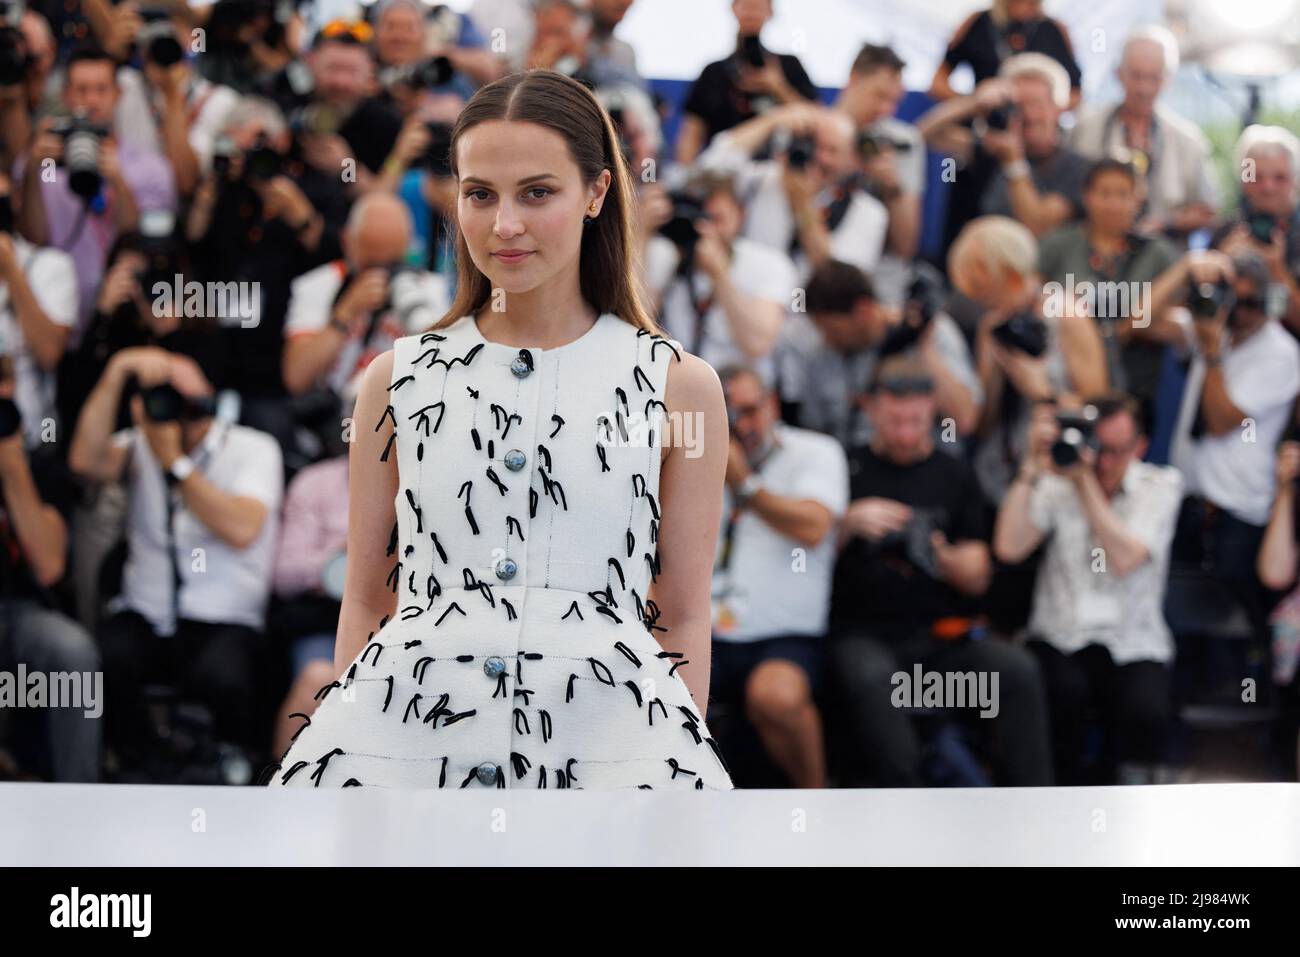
x: 507, y: 222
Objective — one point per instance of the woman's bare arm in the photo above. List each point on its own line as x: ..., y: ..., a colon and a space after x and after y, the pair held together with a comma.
x: 690, y: 503
x: 372, y: 487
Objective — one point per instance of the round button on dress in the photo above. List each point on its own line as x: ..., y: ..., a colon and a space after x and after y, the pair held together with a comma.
x: 523, y: 649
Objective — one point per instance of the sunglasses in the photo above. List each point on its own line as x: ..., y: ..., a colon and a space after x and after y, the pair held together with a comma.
x: 354, y: 31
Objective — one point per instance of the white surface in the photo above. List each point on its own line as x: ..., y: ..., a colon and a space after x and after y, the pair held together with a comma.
x: 1202, y: 824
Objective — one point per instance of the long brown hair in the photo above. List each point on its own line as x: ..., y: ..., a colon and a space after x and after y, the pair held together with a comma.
x: 608, y: 254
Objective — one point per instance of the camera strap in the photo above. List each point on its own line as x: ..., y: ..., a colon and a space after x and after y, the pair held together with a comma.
x: 832, y: 213
x: 203, y: 456
x: 733, y: 516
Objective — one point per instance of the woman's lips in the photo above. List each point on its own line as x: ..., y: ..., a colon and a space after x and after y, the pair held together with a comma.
x: 510, y: 256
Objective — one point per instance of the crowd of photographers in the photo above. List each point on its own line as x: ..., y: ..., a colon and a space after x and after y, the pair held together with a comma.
x: 213, y: 216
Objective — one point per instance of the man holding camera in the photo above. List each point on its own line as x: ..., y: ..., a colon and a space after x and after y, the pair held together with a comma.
x: 913, y: 560
x: 810, y: 201
x: 721, y: 294
x: 1017, y: 124
x: 786, y: 488
x: 825, y: 376
x: 1243, y: 381
x: 344, y: 313
x: 1097, y: 625
x: 203, y: 499
x: 80, y: 187
x: 1267, y: 223
x: 892, y: 153
x: 36, y: 498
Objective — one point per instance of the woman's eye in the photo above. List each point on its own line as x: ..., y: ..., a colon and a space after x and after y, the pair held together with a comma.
x: 477, y: 195
x: 538, y: 192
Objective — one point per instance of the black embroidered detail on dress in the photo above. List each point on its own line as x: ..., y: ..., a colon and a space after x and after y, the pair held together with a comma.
x: 412, y: 705
x: 520, y: 763
x: 419, y: 513
x: 388, y: 446
x: 491, y: 453
x: 532, y: 502
x: 415, y: 611
x: 423, y: 416
x: 465, y: 490
x: 495, y: 480
x: 400, y: 382
x: 460, y: 716
x: 653, y: 562
x: 622, y: 582
x: 558, y: 423
x: 388, y: 698
x: 351, y: 675
x: 442, y: 775
x: 654, y: 505
x: 568, y: 771
x: 678, y: 664
x: 660, y: 340
x: 464, y: 658
x: 652, y: 616
x: 651, y: 710
x: 352, y: 783
x: 601, y: 672
x: 635, y: 491
x: 718, y: 753
x: 464, y: 360
x: 654, y: 531
x: 303, y: 727
x: 600, y: 453
x: 627, y: 653
x: 448, y: 611
x: 394, y: 578
x: 549, y: 486
x: 521, y: 716
x: 511, y: 614
x: 434, y: 336
x: 694, y: 733
x: 268, y: 772
x: 546, y: 725
x: 524, y: 693
x: 483, y: 587
x: 568, y: 691
x: 473, y: 392
x: 631, y: 542
x: 573, y: 606
x: 439, y: 708
x: 478, y: 443
x: 638, y: 377
x: 604, y: 596
x: 541, y: 776
x: 498, y: 412
x: 432, y: 588
x: 527, y: 357
x: 678, y: 769
x: 379, y: 650
x: 392, y: 542
x: 438, y: 547
x: 420, y: 668
x: 293, y: 770
x: 636, y: 692
x: 388, y: 414
x: 519, y: 529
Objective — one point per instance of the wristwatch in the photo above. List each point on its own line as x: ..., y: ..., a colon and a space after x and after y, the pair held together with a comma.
x: 181, y: 468
x: 1016, y: 169
x: 747, y: 487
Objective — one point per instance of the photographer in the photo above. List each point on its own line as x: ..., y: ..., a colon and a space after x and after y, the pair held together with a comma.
x: 720, y: 294
x: 27, y: 52
x: 1017, y: 125
x: 1024, y: 354
x: 1267, y: 224
x: 1171, y: 154
x: 745, y: 84
x: 38, y: 308
x: 203, y: 499
x: 249, y: 41
x: 1105, y: 252
x: 786, y: 489
x: 1097, y: 627
x: 913, y: 558
x: 409, y: 33
x: 810, y: 202
x: 1243, y: 381
x: 94, y: 188
x: 263, y: 218
x: 892, y: 154
x: 344, y: 313
x: 825, y: 374
x: 36, y: 497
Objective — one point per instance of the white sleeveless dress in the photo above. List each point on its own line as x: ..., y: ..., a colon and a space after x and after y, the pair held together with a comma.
x: 524, y: 651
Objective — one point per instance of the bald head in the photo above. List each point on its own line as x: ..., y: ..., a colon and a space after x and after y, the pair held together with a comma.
x: 378, y: 230
x: 835, y: 134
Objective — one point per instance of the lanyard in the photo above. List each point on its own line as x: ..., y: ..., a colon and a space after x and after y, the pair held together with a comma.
x: 733, y: 517
x: 206, y: 453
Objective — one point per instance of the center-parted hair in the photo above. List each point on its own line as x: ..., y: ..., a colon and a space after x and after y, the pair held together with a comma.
x: 608, y: 254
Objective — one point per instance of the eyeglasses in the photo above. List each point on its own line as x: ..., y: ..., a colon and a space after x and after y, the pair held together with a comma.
x: 906, y: 385
x: 355, y: 31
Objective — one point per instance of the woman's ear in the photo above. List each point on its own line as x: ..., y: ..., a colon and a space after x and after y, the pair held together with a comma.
x: 596, y: 192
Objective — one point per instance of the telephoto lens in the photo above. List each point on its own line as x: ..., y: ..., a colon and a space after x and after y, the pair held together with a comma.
x: 81, y: 157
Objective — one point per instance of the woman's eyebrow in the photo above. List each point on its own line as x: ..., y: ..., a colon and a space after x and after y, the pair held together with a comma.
x: 523, y: 182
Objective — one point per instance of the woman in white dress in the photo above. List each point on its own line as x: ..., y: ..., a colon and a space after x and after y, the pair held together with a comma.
x: 535, y: 496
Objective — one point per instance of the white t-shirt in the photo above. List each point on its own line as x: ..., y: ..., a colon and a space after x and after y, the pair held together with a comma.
x: 858, y: 238
x: 53, y: 280
x: 311, y: 298
x: 206, y: 107
x: 772, y: 585
x: 219, y: 584
x: 756, y: 270
x: 1235, y: 470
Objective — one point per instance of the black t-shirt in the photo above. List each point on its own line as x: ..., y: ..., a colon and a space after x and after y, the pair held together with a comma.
x: 984, y: 46
x: 876, y: 587
x: 371, y: 131
x: 56, y: 486
x: 716, y: 100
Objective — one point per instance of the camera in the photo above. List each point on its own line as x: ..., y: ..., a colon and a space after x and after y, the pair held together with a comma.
x: 680, y: 228
x: 81, y: 139
x: 1076, y: 434
x: 924, y: 300
x: 1023, y: 331
x: 163, y: 403
x: 870, y: 144
x: 1206, y: 299
x: 437, y: 157
x: 160, y: 250
x: 436, y: 71
x: 1000, y: 117
x: 14, y: 58
x: 10, y: 419
x: 223, y: 152
x: 913, y: 539
x: 315, y: 119
x: 799, y: 151
x: 157, y: 40
x: 262, y: 161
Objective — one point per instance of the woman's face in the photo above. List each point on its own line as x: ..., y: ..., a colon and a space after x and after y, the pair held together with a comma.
x: 520, y: 203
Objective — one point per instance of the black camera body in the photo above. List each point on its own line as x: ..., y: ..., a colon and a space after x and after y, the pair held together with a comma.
x: 1024, y: 331
x: 1207, y: 299
x: 14, y: 56
x: 680, y: 229
x: 912, y: 541
x: 81, y: 139
x: 157, y: 41
x: 999, y: 118
x: 1077, y: 432
x: 925, y: 299
x: 10, y: 418
x: 163, y: 403
x: 799, y: 151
